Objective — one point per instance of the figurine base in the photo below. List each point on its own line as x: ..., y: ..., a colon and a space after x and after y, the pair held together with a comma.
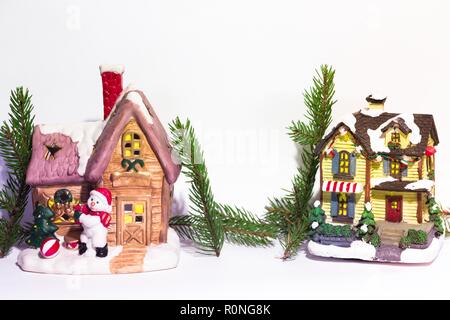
x: 120, y: 259
x: 363, y: 251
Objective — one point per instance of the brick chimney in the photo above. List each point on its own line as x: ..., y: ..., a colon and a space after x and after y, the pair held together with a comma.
x: 112, y: 86
x: 375, y: 103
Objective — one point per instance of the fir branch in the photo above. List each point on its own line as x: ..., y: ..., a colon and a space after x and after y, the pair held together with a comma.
x: 15, y: 149
x: 243, y: 228
x: 210, y: 223
x: 290, y: 213
x: 206, y: 223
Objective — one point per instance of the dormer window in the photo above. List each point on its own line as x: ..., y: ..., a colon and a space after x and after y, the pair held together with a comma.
x: 395, y: 137
x: 131, y: 145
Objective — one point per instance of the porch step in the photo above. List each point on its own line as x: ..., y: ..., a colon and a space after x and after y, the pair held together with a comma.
x: 391, y: 236
x: 130, y: 260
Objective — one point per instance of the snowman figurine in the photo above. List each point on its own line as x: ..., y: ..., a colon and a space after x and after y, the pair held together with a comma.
x: 95, y: 217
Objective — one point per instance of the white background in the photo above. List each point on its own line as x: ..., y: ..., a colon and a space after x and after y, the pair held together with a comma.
x: 237, y: 69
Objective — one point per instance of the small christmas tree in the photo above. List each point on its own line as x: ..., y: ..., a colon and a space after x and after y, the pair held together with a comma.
x: 316, y: 218
x: 435, y: 216
x: 366, y: 227
x: 43, y: 226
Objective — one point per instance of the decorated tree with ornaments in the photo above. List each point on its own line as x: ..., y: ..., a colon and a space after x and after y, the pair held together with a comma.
x: 366, y: 227
x: 43, y: 226
x: 316, y: 218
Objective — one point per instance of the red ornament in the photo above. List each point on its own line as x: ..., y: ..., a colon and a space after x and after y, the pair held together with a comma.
x: 71, y: 245
x: 430, y: 150
x: 49, y: 248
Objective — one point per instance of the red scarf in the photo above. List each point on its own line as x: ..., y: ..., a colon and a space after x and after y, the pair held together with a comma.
x: 105, y: 217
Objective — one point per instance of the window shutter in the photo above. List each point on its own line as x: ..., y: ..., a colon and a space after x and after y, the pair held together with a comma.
x: 351, y: 205
x: 334, y: 204
x: 352, y: 164
x: 386, y: 168
x: 405, y: 171
x: 335, y: 165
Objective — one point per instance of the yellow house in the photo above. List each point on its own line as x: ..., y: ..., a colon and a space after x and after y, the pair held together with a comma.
x: 379, y: 157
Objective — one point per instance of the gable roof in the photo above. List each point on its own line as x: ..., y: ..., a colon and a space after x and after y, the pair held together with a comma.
x: 130, y: 107
x: 367, y: 130
x: 86, y: 148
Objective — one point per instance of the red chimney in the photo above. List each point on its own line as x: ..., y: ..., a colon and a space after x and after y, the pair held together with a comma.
x: 112, y: 86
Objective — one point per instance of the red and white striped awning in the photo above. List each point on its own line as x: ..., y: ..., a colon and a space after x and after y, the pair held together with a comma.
x: 342, y: 186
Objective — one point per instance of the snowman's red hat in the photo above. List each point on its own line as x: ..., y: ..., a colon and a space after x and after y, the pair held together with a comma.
x: 104, y: 194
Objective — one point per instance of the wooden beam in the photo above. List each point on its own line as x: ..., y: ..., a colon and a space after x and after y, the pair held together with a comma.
x: 419, y: 207
x: 321, y: 178
x: 367, y: 186
x: 420, y: 169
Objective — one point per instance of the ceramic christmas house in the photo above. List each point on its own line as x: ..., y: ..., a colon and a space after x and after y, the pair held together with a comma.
x: 122, y: 169
x: 377, y: 172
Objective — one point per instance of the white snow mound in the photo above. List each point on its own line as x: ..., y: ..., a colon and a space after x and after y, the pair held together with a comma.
x: 159, y: 257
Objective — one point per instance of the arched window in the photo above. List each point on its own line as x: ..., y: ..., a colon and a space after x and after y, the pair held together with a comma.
x: 344, y: 162
x: 131, y: 145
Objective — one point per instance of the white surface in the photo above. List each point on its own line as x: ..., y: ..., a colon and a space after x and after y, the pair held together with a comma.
x: 241, y: 273
x: 85, y: 133
x: 69, y: 262
x: 237, y: 69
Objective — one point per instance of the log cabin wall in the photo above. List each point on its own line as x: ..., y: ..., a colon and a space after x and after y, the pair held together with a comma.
x: 147, y: 183
x: 41, y: 195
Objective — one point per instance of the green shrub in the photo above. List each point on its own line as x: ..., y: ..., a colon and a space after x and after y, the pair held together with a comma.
x: 330, y: 230
x: 413, y: 237
x: 375, y: 240
x: 405, y: 242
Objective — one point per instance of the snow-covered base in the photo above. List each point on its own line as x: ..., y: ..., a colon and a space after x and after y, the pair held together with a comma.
x: 423, y: 255
x: 357, y: 250
x: 159, y: 257
x: 364, y: 251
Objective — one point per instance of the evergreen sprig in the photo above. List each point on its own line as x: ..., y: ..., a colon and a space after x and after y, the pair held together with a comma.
x: 290, y: 213
x: 15, y: 149
x: 210, y: 223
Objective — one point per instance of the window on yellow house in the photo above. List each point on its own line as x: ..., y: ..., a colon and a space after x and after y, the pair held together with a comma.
x: 343, y: 204
x: 131, y: 145
x: 344, y: 162
x: 395, y: 137
x: 395, y: 168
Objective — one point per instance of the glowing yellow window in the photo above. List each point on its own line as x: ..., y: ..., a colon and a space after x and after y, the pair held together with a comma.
x: 394, y: 205
x: 128, y: 218
x: 139, y: 208
x: 344, y: 162
x: 395, y: 137
x: 395, y: 167
x: 343, y: 204
x: 131, y: 145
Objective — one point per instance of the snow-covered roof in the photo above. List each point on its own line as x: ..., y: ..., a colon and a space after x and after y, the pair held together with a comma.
x: 85, y: 147
x: 367, y: 128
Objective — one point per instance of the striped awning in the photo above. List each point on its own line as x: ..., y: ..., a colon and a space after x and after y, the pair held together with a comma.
x: 342, y: 186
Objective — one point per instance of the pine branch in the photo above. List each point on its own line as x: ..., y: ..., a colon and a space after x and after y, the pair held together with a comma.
x: 210, y: 223
x: 290, y: 214
x: 15, y: 149
x: 243, y: 228
x: 206, y: 223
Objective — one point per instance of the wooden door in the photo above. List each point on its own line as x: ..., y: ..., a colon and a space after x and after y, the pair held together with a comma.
x: 394, y: 206
x: 133, y: 219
